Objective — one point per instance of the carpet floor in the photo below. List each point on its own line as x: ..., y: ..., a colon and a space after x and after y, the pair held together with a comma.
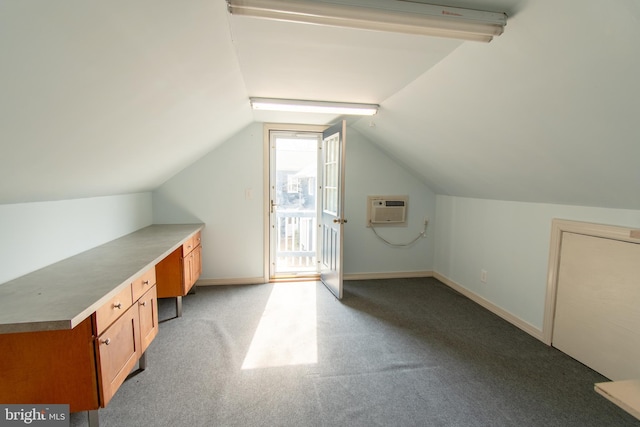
x: 398, y: 352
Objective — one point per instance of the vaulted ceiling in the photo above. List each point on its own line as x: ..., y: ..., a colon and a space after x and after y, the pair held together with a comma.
x: 100, y: 98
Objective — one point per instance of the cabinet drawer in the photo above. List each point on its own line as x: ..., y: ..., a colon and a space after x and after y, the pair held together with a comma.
x: 143, y: 283
x: 187, y: 247
x: 197, y: 239
x: 113, y: 309
x: 191, y: 244
x: 118, y: 349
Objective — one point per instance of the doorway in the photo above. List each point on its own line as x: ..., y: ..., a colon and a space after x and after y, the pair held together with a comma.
x: 294, y: 202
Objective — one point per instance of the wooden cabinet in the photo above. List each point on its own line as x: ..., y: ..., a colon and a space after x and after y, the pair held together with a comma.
x: 118, y: 350
x: 197, y: 263
x: 192, y: 266
x: 178, y: 272
x: 71, y: 336
x: 83, y: 366
x: 148, y: 312
x: 125, y: 325
x: 48, y: 367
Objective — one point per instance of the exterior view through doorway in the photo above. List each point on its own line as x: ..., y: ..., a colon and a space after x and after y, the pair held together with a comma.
x: 305, y: 203
x: 293, y: 204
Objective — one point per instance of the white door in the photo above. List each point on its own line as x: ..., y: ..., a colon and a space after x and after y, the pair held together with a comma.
x: 597, y: 319
x: 332, y: 213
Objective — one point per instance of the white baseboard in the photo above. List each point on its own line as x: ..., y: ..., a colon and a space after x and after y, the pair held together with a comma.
x: 233, y: 281
x: 388, y: 275
x: 514, y: 320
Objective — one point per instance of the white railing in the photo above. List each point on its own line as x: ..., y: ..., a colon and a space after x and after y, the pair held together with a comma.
x: 296, y: 243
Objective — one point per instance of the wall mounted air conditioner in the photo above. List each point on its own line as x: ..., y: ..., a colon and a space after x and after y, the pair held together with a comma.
x: 387, y: 210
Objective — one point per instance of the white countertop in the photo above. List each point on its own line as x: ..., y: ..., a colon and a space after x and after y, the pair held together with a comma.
x: 62, y: 295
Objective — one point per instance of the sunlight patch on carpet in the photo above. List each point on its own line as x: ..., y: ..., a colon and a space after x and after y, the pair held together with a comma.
x: 287, y: 332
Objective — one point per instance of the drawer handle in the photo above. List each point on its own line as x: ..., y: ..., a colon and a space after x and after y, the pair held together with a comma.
x: 146, y: 282
x: 143, y: 303
x: 106, y: 342
x: 117, y: 305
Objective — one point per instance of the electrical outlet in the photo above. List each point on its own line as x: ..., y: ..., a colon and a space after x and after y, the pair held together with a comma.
x: 483, y: 276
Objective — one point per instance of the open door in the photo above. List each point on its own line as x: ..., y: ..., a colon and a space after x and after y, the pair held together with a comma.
x: 332, y: 213
x: 294, y: 157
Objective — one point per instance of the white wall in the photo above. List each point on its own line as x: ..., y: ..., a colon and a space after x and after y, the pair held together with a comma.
x: 33, y: 235
x: 213, y: 191
x: 510, y: 240
x: 371, y: 172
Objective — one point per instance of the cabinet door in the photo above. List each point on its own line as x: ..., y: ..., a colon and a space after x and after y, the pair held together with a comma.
x: 177, y: 272
x: 187, y: 271
x: 197, y: 263
x: 192, y: 268
x: 148, y: 309
x: 118, y: 350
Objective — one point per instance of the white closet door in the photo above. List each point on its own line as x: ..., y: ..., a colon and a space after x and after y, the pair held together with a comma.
x: 597, y: 319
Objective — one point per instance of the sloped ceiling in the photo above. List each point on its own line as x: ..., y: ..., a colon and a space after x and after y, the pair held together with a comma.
x: 114, y: 97
x: 545, y: 113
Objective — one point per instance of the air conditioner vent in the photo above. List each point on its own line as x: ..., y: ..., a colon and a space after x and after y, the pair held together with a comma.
x: 390, y: 210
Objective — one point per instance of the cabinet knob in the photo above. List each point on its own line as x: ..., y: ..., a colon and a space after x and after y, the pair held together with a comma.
x: 106, y: 342
x: 117, y: 305
x: 146, y: 282
x: 143, y: 303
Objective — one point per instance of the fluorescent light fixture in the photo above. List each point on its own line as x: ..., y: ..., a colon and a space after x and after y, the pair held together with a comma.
x: 302, y: 106
x: 382, y: 15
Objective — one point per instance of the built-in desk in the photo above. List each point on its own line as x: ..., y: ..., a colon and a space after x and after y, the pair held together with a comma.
x: 625, y: 394
x: 71, y: 332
